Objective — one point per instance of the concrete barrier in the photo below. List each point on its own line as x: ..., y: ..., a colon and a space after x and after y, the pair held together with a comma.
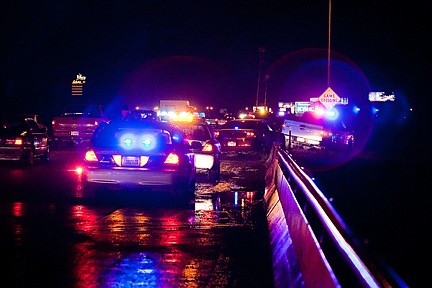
x: 311, y: 246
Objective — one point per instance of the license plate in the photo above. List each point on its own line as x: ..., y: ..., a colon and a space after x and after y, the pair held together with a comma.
x: 232, y: 143
x: 74, y: 133
x: 130, y: 161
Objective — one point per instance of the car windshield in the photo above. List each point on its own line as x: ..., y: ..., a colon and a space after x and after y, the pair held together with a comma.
x: 195, y: 131
x: 83, y: 111
x: 241, y: 124
x: 144, y: 114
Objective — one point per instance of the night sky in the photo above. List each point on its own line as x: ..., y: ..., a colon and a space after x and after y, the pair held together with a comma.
x: 139, y: 52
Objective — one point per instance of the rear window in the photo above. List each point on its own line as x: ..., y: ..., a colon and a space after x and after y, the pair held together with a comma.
x: 196, y: 132
x: 93, y: 111
x: 13, y: 126
x: 132, y: 138
x: 241, y: 124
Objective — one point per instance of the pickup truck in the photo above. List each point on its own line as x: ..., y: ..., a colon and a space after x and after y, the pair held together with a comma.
x: 306, y: 133
x: 77, y: 123
x: 302, y: 134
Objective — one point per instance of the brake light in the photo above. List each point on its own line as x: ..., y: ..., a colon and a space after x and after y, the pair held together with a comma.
x: 217, y: 133
x: 207, y: 147
x: 172, y: 159
x: 90, y: 156
x: 250, y: 134
x: 117, y: 159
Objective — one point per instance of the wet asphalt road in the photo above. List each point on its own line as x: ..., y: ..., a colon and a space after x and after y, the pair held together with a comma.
x: 51, y: 236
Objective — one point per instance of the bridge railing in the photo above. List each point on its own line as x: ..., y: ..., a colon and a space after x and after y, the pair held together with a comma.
x: 311, y: 244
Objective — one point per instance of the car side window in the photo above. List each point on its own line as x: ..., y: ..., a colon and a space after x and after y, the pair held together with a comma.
x: 199, y: 134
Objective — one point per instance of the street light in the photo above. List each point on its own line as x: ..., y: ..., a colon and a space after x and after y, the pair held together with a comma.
x: 261, y: 55
x: 267, y: 76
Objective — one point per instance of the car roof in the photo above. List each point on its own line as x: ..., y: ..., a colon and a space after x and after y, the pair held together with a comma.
x: 140, y: 124
x: 130, y: 125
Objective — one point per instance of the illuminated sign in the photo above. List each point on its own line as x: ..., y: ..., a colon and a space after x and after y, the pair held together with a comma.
x: 301, y: 107
x: 77, y: 85
x: 329, y: 98
x: 381, y: 97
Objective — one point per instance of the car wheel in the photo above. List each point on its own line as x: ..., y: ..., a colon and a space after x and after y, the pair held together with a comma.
x: 190, y: 193
x: 89, y: 190
x: 214, y: 174
x: 184, y: 192
x: 28, y: 159
x: 46, y: 156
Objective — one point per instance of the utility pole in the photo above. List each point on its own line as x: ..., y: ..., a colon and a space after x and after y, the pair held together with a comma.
x: 261, y: 52
x: 266, y: 79
x: 328, y: 48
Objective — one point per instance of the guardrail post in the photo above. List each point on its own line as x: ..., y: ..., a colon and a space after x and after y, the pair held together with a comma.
x: 289, y: 139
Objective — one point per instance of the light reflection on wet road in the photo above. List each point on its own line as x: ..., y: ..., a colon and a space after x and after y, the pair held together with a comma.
x: 53, y: 238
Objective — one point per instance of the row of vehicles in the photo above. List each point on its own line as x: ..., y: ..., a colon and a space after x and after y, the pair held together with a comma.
x: 166, y: 155
x: 138, y: 150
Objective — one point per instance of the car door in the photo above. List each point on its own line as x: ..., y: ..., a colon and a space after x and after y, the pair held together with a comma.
x: 268, y: 135
x: 38, y: 137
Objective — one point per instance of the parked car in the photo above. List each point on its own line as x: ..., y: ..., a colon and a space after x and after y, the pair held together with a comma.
x: 308, y: 130
x: 242, y: 135
x: 144, y: 114
x: 21, y: 139
x: 77, y: 123
x: 150, y: 155
x: 201, y: 137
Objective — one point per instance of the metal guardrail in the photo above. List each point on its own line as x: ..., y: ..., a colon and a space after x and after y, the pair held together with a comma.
x: 326, y: 252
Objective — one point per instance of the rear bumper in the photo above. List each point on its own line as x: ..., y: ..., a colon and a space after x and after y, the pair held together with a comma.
x: 67, y: 135
x: 242, y: 147
x: 13, y: 153
x: 136, y: 178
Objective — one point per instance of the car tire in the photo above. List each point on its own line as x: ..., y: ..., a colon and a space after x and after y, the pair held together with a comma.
x: 214, y: 174
x: 184, y: 192
x: 46, y: 157
x: 89, y: 191
x: 28, y: 159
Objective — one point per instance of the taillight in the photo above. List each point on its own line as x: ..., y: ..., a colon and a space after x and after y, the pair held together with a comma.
x: 17, y: 141
x: 250, y: 134
x: 207, y: 147
x: 172, y: 159
x: 216, y: 133
x: 90, y: 156
x: 117, y: 159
